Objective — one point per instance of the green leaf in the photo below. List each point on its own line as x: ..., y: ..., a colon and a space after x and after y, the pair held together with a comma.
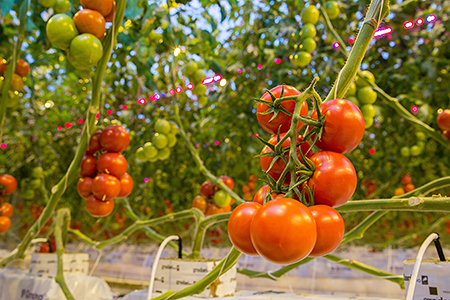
x: 6, y: 6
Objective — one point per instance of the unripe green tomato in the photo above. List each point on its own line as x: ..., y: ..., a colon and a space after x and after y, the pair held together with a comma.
x: 35, y: 183
x: 354, y: 100
x: 421, y: 136
x: 173, y: 128
x: 61, y: 30
x: 160, y: 140
x: 200, y: 89
x: 143, y: 51
x: 162, y: 126
x: 310, y: 15
x: 332, y: 9
x: 366, y: 95
x: 351, y: 90
x: 140, y: 154
x: 308, y: 31
x: 368, y: 122
x: 199, y: 75
x: 47, y: 3
x: 164, y: 153
x: 405, y: 151
x: 360, y: 82
x: 150, y: 151
x: 308, y: 45
x: 190, y: 68
x: 202, y: 100
x: 37, y: 172
x: 416, y: 150
x: 368, y: 110
x: 61, y: 6
x: 172, y: 140
x: 301, y: 59
x: 221, y: 198
x: 29, y: 194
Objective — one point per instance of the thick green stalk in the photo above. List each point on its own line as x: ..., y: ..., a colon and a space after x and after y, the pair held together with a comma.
x: 61, y: 226
x: 73, y: 170
x: 203, y: 224
x: 428, y: 204
x: 226, y: 264
x: 83, y: 237
x: 350, y: 263
x: 12, y: 64
x: 276, y: 274
x: 365, y: 35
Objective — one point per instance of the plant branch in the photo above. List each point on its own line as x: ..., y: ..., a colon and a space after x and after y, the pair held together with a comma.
x: 203, y: 224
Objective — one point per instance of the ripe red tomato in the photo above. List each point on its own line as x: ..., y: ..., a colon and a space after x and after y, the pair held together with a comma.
x: 343, y: 128
x: 5, y: 223
x: 94, y: 143
x: 239, y: 227
x: 406, y: 179
x: 443, y: 120
x: 104, y: 7
x: 261, y: 194
x: 22, y: 68
x: 105, y: 187
x: 281, y: 120
x: 6, y: 210
x: 110, y: 17
x: 98, y: 208
x: 88, y: 166
x: 115, y: 138
x: 8, y: 184
x: 213, y: 209
x: 126, y: 186
x: 90, y: 21
x: 279, y: 165
x: 207, y: 189
x: 330, y: 229
x: 112, y: 163
x: 334, y: 179
x: 283, y: 231
x: 84, y: 187
x: 200, y: 203
x: 409, y: 187
x: 228, y: 181
x: 16, y: 83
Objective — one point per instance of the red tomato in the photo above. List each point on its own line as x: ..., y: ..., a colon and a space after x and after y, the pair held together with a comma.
x: 279, y: 165
x: 8, y: 184
x: 90, y: 21
x: 88, y: 166
x: 105, y: 187
x: 112, y: 163
x: 207, y: 189
x: 281, y: 120
x: 110, y: 17
x: 344, y: 126
x: 94, y: 143
x: 5, y: 223
x: 228, y: 181
x: 261, y: 194
x: 443, y: 120
x: 283, y: 231
x: 126, y: 186
x: 115, y: 138
x: 98, y: 208
x: 104, y: 7
x: 200, y: 203
x: 22, y: 68
x: 406, y: 179
x: 213, y: 209
x: 239, y: 227
x: 330, y: 229
x: 84, y: 187
x: 334, y: 178
x: 3, y: 65
x: 6, y: 210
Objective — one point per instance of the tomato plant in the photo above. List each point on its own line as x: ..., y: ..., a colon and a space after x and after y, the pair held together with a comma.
x: 278, y: 227
x: 239, y: 227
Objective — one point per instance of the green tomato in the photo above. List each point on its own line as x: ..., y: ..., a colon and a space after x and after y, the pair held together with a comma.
x: 164, y: 153
x: 367, y: 95
x: 173, y: 128
x: 221, y: 198
x: 37, y: 172
x: 29, y: 194
x: 368, y: 122
x: 416, y: 150
x: 143, y: 51
x: 190, y: 68
x: 360, y: 82
x: 150, y: 151
x: 310, y: 15
x: 172, y: 140
x: 78, y: 64
x: 368, y: 110
x: 301, y: 59
x: 61, y: 30
x: 199, y: 89
x: 47, y: 3
x: 352, y: 90
x: 308, y: 31
x: 405, y: 151
x: 421, y: 136
x: 140, y: 154
x: 61, y: 6
x: 308, y: 45
x: 160, y: 140
x: 35, y: 183
x: 332, y: 9
x: 354, y: 100
x: 86, y: 48
x: 162, y: 126
x: 199, y: 75
x: 202, y: 100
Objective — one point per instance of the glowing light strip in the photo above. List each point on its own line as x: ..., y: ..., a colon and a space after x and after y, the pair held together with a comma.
x: 382, y: 31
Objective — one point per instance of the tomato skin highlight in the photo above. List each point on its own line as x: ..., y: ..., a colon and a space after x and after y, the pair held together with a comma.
x: 334, y: 179
x: 330, y: 229
x: 283, y: 231
x: 343, y: 128
x: 281, y: 119
x: 239, y: 227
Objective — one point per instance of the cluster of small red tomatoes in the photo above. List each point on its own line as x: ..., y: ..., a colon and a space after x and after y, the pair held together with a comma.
x: 22, y: 69
x: 8, y: 185
x: 103, y: 171
x: 213, y: 200
x: 284, y: 230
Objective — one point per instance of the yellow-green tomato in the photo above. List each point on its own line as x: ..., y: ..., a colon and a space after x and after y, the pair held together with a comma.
x: 310, y: 15
x: 308, y: 45
x: 360, y: 82
x: 308, y: 31
x: 150, y: 150
x: 162, y: 126
x: 160, y: 140
x: 332, y: 9
x: 221, y: 198
x: 366, y: 95
x: 301, y: 59
x: 352, y: 90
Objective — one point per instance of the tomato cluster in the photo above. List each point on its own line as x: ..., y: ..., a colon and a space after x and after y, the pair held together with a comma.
x: 6, y: 212
x: 212, y: 200
x: 103, y: 171
x: 407, y: 184
x: 285, y: 230
x: 59, y: 6
x: 81, y: 36
x: 249, y: 188
x: 162, y: 141
x: 196, y: 77
x: 363, y: 96
x: 22, y: 70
